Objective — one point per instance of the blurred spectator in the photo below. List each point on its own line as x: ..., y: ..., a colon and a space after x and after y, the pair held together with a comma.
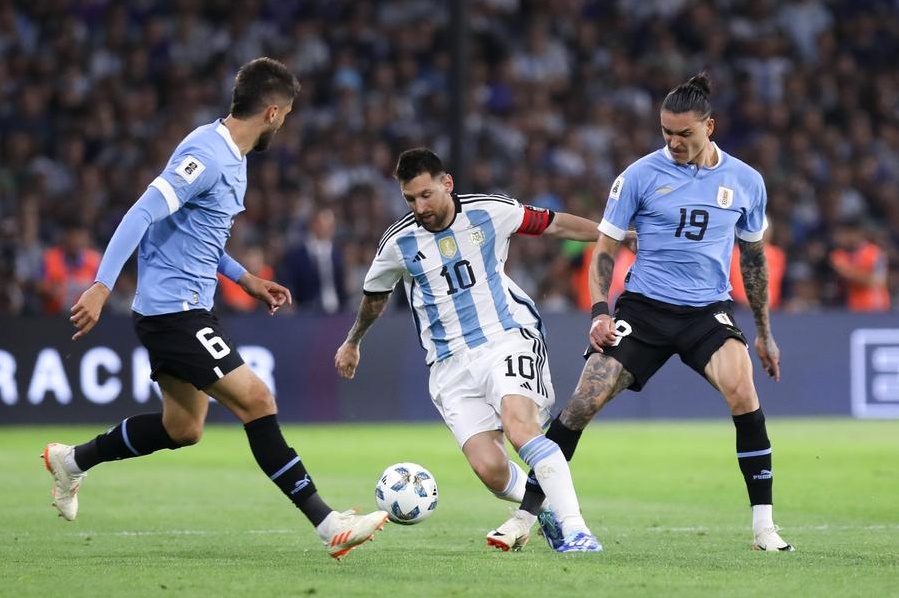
x: 559, y: 96
x: 777, y: 268
x: 234, y: 298
x: 624, y: 259
x: 69, y: 268
x: 314, y: 268
x: 862, y: 268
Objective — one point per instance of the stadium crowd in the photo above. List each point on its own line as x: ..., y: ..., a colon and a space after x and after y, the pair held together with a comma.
x: 560, y: 96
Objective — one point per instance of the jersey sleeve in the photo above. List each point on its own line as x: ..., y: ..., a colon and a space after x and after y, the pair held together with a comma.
x: 621, y: 207
x: 149, y: 208
x: 385, y: 271
x: 230, y: 268
x: 752, y: 223
x: 191, y: 171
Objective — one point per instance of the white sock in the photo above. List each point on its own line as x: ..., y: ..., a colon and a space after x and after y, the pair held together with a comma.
x: 70, y: 464
x: 546, y: 459
x: 762, y: 517
x: 514, y: 490
x: 324, y: 528
x: 525, y: 516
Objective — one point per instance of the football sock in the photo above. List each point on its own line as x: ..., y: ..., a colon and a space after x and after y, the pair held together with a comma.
x: 552, y: 472
x: 762, y: 517
x: 283, y: 466
x: 567, y: 439
x: 528, y: 518
x: 564, y: 436
x: 754, y: 456
x: 134, y: 437
x: 514, y: 490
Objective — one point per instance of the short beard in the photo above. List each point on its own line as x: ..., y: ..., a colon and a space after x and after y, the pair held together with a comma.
x: 264, y: 140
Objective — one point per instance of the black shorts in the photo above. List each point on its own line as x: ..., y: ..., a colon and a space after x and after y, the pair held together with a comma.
x: 650, y: 331
x: 189, y: 345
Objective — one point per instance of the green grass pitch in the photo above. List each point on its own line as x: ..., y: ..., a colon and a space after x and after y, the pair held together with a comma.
x: 665, y: 498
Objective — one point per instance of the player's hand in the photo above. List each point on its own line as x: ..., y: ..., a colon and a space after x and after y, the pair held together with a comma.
x: 346, y: 360
x: 602, y: 332
x: 269, y: 292
x: 769, y: 354
x: 86, y: 311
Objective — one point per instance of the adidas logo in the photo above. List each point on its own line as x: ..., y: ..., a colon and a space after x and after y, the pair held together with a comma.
x: 418, y: 257
x: 526, y: 385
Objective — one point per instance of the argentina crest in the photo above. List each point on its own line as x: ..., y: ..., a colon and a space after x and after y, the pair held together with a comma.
x: 447, y: 247
x: 477, y: 237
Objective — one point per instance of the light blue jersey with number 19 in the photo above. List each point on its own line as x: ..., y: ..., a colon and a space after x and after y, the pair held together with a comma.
x: 686, y: 218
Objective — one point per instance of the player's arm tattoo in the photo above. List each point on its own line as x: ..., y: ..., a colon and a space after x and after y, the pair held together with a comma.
x: 370, y: 309
x: 754, y: 268
x: 601, y: 380
x: 603, y: 263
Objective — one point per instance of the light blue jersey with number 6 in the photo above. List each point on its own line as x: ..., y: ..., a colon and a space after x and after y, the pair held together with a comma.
x: 182, y: 222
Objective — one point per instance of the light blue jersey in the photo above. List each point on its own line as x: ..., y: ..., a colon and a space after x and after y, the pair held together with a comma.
x: 686, y: 218
x: 183, y: 222
x: 455, y: 280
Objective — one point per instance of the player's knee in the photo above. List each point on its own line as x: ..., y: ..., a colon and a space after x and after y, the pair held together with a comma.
x: 493, y: 473
x: 187, y: 434
x: 740, y: 394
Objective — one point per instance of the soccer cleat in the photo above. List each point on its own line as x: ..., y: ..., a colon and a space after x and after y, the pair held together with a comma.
x: 65, y: 484
x: 511, y: 535
x: 349, y: 530
x: 581, y: 541
x: 551, y: 528
x: 769, y: 540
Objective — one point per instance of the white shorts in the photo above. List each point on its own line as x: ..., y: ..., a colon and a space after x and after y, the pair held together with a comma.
x: 467, y: 389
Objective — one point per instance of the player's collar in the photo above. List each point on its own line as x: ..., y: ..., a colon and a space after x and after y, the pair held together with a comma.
x: 222, y: 130
x: 717, y: 149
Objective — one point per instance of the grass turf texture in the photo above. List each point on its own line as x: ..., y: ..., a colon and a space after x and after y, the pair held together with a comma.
x: 666, y: 500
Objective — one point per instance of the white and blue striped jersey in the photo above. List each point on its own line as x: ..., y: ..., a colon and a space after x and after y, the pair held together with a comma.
x: 203, y: 185
x: 455, y: 281
x: 686, y: 218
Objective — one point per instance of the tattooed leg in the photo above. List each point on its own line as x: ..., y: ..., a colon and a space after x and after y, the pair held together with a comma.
x: 601, y: 380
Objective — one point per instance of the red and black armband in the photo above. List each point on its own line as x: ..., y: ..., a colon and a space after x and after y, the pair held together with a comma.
x: 535, y: 221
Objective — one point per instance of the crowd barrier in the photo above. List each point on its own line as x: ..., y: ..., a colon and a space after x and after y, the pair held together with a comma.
x: 833, y: 364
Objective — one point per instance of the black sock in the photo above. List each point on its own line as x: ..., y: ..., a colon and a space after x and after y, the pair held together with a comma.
x: 282, y: 465
x: 567, y: 440
x: 136, y: 436
x: 754, y: 456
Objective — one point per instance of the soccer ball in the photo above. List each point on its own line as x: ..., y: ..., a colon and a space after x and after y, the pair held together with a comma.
x: 408, y: 492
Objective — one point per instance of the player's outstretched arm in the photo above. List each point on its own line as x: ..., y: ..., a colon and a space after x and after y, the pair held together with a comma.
x: 754, y: 268
x: 347, y: 358
x: 575, y: 228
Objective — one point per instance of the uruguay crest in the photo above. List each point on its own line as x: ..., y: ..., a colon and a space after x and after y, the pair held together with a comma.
x: 725, y: 197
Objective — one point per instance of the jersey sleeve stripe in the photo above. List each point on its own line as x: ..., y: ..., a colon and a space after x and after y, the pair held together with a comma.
x: 394, y: 230
x: 168, y: 192
x: 609, y: 229
x: 752, y: 237
x: 476, y: 197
